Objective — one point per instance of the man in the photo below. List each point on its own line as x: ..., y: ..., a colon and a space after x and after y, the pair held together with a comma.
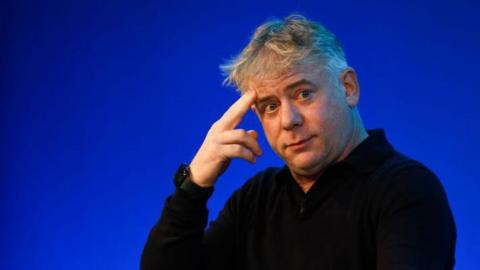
x: 345, y: 199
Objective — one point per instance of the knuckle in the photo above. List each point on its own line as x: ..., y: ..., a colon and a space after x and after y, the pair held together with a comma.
x: 237, y: 148
x: 215, y: 125
x: 238, y: 133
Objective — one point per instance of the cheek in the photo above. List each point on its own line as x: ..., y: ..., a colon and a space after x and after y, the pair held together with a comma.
x: 325, y: 114
x: 272, y: 132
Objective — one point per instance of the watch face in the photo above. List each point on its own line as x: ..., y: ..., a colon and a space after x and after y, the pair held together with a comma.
x: 181, y: 174
x: 182, y: 181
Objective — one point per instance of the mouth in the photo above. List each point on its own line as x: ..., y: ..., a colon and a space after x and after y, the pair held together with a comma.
x: 299, y: 144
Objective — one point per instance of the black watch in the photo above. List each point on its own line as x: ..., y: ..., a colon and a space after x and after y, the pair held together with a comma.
x: 182, y: 181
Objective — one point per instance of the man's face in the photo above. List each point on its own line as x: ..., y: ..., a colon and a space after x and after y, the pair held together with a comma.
x: 306, y: 116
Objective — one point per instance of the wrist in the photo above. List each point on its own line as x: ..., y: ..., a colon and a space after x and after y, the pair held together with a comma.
x: 198, y: 177
x: 183, y: 181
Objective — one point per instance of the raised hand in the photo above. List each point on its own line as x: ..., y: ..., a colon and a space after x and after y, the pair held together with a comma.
x: 223, y: 142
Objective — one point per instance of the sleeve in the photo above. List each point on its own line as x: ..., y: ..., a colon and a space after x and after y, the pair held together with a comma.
x: 175, y: 242
x: 415, y: 228
x: 179, y: 239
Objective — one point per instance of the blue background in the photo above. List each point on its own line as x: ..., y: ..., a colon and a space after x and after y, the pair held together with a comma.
x: 100, y: 102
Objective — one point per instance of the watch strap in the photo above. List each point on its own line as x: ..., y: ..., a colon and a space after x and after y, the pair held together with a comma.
x: 184, y: 183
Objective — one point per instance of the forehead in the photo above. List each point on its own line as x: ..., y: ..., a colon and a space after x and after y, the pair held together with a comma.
x: 267, y: 84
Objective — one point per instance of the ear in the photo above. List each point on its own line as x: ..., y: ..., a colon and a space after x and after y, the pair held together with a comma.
x: 349, y: 83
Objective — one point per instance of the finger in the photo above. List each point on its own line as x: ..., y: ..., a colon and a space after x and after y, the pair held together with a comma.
x: 240, y: 136
x: 252, y: 133
x: 238, y: 151
x: 232, y: 117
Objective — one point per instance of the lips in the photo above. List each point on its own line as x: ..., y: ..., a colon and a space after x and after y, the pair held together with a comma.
x: 299, y: 143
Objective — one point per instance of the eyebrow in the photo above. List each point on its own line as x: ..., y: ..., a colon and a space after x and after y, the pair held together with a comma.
x: 298, y: 83
x: 288, y: 88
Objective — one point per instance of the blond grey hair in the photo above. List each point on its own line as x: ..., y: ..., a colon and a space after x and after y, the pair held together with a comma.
x: 279, y: 45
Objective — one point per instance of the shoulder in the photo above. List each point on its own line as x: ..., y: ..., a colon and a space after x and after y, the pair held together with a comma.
x: 411, y: 214
x: 396, y: 163
x: 400, y: 170
x: 401, y: 183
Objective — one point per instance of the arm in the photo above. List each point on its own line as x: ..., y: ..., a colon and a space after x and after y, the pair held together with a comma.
x: 416, y: 228
x: 177, y: 241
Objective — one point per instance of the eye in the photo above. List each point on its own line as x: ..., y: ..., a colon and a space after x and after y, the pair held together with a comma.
x: 305, y: 94
x: 270, y: 107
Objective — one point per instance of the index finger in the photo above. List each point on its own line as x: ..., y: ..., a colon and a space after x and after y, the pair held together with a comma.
x: 232, y: 117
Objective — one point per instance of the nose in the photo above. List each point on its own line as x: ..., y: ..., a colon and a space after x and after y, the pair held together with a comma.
x: 291, y: 116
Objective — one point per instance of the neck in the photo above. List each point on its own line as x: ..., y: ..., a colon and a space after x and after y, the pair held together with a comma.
x: 305, y: 185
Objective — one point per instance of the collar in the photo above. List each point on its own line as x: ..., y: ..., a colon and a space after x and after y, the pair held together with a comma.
x: 370, y: 153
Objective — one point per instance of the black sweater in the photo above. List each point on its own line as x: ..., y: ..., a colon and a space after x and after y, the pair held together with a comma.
x: 377, y: 209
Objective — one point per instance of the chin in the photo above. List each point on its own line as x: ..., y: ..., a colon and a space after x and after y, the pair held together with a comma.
x: 306, y: 163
